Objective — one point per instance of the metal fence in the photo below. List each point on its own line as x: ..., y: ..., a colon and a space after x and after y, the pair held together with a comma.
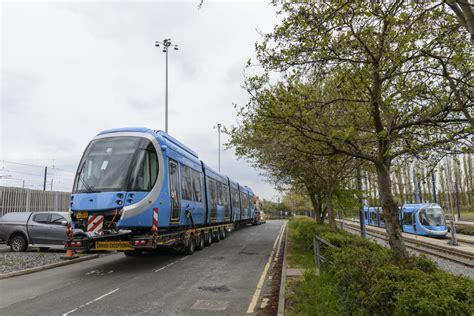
x: 27, y: 200
x: 319, y: 245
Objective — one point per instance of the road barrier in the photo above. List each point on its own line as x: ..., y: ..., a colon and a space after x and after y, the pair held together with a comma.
x: 27, y: 200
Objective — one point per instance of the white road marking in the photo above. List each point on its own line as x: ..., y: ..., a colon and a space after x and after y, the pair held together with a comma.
x: 90, y: 302
x: 258, y: 290
x: 170, y: 264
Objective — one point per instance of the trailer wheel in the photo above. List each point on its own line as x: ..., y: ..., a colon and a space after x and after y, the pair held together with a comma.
x: 190, y: 247
x: 222, y: 233
x: 18, y: 243
x: 201, y: 241
x: 208, y: 238
x: 216, y: 236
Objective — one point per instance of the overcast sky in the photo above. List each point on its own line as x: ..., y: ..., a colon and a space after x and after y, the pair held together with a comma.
x: 72, y: 69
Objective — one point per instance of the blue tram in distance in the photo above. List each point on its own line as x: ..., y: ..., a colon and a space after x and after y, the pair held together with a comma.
x: 425, y: 219
x: 373, y: 216
x: 139, y: 178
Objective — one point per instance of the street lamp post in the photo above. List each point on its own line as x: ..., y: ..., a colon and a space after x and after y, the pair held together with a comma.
x: 219, y: 144
x: 166, y: 45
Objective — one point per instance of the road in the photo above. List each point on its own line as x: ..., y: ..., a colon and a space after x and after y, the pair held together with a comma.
x: 220, y: 280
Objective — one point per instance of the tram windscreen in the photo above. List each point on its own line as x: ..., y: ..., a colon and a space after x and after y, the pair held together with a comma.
x: 108, y: 162
x: 432, y: 216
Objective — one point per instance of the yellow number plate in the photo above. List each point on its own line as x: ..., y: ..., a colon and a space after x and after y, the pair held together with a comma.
x: 112, y: 245
x: 82, y: 215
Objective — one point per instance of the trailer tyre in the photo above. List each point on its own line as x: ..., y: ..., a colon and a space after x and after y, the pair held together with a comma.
x: 201, y: 242
x: 223, y: 233
x: 18, y: 243
x: 216, y: 236
x: 208, y: 238
x: 190, y: 247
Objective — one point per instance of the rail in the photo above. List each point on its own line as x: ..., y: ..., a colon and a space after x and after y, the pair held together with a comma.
x: 318, y: 245
x: 453, y: 255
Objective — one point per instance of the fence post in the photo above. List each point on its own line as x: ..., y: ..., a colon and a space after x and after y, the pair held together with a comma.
x: 28, y: 200
x: 316, y: 251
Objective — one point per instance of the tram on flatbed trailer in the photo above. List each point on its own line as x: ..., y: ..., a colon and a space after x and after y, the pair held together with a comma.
x: 139, y: 189
x: 425, y: 219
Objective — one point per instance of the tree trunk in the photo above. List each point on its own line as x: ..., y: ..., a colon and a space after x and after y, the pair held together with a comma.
x: 316, y: 202
x: 330, y: 209
x: 390, y: 212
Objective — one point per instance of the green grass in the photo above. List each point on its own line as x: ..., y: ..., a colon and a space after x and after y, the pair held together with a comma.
x: 298, y: 254
x: 467, y: 216
x: 465, y: 229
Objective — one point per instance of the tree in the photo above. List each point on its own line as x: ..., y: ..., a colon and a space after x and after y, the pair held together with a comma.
x: 464, y: 11
x: 358, y: 82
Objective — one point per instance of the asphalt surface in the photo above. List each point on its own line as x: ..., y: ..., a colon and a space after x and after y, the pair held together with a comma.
x: 219, y: 280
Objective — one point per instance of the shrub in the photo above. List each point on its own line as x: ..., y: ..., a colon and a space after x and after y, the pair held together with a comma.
x: 363, y: 279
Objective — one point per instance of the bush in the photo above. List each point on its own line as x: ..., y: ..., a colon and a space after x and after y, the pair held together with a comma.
x: 363, y: 279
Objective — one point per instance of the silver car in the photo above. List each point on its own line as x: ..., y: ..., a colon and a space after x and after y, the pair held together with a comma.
x: 39, y: 229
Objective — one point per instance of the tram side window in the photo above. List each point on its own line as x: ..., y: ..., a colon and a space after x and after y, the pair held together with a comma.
x: 225, y: 198
x: 372, y: 216
x: 235, y: 198
x: 407, y: 219
x: 212, y: 197
x: 242, y: 200
x: 197, y: 186
x: 219, y: 194
x: 366, y: 214
x: 186, y: 192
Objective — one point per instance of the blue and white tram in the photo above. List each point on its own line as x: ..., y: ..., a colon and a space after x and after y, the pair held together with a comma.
x: 373, y: 216
x: 426, y: 219
x: 139, y: 178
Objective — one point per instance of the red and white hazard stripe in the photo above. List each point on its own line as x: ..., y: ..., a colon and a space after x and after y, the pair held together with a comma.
x: 95, y: 223
x: 155, y: 217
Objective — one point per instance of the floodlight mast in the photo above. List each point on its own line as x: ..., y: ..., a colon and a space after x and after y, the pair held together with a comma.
x: 166, y: 45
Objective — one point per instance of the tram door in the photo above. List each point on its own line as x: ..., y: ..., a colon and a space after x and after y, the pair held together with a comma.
x: 408, y: 222
x: 174, y: 191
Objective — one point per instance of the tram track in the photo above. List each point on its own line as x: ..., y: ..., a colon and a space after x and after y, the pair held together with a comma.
x: 453, y: 255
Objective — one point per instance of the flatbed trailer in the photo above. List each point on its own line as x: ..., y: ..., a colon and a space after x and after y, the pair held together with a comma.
x: 187, y: 240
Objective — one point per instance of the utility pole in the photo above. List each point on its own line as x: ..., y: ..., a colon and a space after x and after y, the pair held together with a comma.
x: 416, y: 185
x: 51, y: 184
x: 433, y: 180
x: 166, y: 45
x: 453, y: 240
x: 45, y: 177
x: 363, y: 233
x: 219, y: 144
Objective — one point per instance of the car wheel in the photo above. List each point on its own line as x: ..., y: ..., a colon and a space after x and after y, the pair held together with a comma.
x: 18, y: 243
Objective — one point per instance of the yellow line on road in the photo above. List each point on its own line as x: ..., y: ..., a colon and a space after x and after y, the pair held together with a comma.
x: 258, y: 290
